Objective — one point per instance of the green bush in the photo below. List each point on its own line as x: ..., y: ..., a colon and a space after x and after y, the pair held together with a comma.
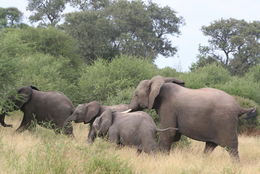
x: 121, y: 97
x: 48, y: 73
x: 44, y: 57
x: 254, y: 74
x: 168, y: 72
x: 11, y: 44
x: 50, y: 41
x: 207, y: 76
x: 243, y: 87
x: 104, y: 79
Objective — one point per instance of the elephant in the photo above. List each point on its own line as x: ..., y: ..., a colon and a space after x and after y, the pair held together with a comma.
x: 207, y: 114
x: 48, y: 109
x: 87, y: 112
x: 132, y: 129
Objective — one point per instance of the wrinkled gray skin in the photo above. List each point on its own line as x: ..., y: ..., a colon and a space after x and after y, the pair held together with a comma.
x: 86, y: 113
x: 205, y: 114
x: 132, y: 129
x: 49, y: 109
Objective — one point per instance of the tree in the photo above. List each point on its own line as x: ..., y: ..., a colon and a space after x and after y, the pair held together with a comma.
x: 10, y: 17
x: 85, y: 5
x: 46, y: 11
x: 234, y: 43
x: 123, y: 27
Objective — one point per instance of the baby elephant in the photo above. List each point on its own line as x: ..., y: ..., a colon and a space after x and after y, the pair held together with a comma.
x: 132, y: 129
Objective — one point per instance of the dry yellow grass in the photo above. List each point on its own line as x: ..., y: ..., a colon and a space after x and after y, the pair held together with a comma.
x: 19, y: 150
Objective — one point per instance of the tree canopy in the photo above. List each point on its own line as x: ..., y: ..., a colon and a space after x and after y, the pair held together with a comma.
x: 46, y: 11
x: 124, y: 27
x: 234, y: 43
x: 10, y: 17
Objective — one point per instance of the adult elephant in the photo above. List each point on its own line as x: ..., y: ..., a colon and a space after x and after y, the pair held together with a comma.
x: 206, y: 114
x: 87, y: 113
x: 49, y: 109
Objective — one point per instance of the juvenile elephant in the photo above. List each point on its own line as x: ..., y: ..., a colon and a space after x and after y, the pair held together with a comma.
x: 49, y: 109
x: 132, y: 129
x: 205, y: 114
x: 86, y: 113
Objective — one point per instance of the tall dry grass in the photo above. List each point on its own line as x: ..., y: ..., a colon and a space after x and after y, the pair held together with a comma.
x: 44, y: 152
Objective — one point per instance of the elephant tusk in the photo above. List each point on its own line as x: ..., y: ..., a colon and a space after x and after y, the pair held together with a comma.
x: 127, y: 111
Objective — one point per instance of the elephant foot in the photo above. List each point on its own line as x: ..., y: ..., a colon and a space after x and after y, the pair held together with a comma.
x: 89, y: 141
x: 20, y: 130
x: 6, y: 125
x: 139, y: 151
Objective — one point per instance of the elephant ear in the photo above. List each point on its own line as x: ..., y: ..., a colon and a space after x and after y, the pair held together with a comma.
x: 24, y: 96
x: 92, y: 111
x: 173, y: 80
x: 155, y: 86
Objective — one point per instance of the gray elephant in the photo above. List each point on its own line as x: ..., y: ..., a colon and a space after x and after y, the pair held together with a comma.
x: 206, y: 114
x: 49, y: 109
x: 132, y: 129
x: 86, y: 113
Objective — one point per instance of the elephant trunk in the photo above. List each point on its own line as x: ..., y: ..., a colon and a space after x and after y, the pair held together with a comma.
x: 69, y: 119
x: 2, y: 120
x: 133, y: 106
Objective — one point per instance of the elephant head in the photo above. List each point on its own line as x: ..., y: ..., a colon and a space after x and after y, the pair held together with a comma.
x: 148, y: 90
x: 24, y: 96
x: 103, y: 122
x: 84, y: 113
x: 16, y: 101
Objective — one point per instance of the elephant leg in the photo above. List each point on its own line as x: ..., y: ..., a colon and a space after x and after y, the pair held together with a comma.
x: 167, y: 120
x: 139, y: 151
x: 177, y: 137
x: 166, y: 142
x: 26, y: 122
x: 114, y: 137
x: 233, y: 152
x: 209, y: 147
x: 91, y: 135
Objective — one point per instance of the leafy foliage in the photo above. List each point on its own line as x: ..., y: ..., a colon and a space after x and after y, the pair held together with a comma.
x: 46, y: 12
x: 10, y: 17
x: 46, y: 58
x: 104, y: 79
x: 234, y: 43
x: 207, y: 76
x: 123, y: 27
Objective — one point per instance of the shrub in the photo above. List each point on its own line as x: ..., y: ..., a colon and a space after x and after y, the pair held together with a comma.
x: 207, y: 76
x: 254, y: 74
x: 243, y: 87
x: 104, y: 79
x: 122, y: 97
x: 47, y: 73
x: 168, y: 72
x: 50, y: 41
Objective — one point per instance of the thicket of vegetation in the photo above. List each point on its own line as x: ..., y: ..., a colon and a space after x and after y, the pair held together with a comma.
x: 102, y: 52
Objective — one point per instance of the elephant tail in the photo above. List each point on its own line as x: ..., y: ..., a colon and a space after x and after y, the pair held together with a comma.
x: 166, y: 129
x: 250, y: 112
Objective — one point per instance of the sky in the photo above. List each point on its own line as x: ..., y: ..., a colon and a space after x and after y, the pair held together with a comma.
x: 196, y: 13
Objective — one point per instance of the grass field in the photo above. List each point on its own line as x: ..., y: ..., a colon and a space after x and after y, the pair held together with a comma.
x: 44, y: 152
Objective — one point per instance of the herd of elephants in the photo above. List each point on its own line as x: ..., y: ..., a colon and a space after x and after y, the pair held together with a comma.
x: 206, y: 114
